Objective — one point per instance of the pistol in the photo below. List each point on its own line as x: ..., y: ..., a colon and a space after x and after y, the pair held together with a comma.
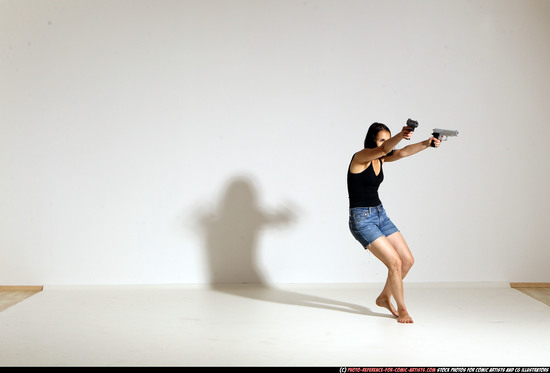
x: 442, y: 134
x: 413, y: 124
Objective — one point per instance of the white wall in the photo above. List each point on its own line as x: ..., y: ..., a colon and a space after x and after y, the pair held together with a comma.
x: 189, y: 141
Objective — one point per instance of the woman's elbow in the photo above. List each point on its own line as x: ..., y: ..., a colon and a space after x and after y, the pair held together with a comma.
x: 385, y: 150
x: 395, y: 155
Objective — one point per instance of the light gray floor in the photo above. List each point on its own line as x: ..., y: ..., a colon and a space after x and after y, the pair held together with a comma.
x: 285, y: 325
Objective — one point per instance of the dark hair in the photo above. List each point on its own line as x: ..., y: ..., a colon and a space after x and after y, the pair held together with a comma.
x: 370, y: 139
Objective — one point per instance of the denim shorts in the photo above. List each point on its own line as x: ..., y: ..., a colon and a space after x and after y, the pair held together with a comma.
x: 369, y: 223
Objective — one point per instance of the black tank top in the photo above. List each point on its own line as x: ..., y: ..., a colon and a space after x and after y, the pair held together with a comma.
x: 363, y: 187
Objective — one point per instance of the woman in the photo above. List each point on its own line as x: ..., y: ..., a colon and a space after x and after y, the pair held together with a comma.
x: 368, y: 221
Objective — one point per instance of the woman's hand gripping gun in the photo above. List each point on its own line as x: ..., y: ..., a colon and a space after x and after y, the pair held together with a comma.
x: 442, y: 134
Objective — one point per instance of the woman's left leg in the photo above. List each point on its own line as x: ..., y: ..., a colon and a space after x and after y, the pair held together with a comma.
x: 400, y: 245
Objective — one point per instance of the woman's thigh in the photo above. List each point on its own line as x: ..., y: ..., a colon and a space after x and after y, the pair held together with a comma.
x: 400, y: 246
x: 384, y: 250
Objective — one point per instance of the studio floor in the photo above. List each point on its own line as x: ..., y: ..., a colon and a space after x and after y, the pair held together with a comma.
x: 286, y: 325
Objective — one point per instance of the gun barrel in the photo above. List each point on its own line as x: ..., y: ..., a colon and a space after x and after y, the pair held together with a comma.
x: 412, y: 123
x: 443, y: 132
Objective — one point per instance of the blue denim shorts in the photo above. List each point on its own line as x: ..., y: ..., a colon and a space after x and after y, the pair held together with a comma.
x: 369, y: 223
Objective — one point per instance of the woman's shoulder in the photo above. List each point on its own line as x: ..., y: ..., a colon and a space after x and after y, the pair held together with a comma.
x: 356, y: 167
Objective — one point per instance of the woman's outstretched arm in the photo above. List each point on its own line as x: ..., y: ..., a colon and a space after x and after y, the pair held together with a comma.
x: 368, y: 154
x: 412, y: 149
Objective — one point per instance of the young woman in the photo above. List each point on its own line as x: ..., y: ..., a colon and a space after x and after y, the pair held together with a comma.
x: 368, y: 220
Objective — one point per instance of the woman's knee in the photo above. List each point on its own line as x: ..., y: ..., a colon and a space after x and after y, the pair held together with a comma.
x: 385, y: 251
x: 395, y: 264
x: 407, y: 262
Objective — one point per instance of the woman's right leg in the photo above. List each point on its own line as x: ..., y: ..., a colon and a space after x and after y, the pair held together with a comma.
x: 407, y: 260
x: 383, y: 250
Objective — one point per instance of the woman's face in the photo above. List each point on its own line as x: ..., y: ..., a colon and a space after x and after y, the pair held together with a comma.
x: 381, y: 137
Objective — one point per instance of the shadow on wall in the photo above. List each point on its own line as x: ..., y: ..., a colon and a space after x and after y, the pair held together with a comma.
x: 231, y: 241
x: 232, y: 232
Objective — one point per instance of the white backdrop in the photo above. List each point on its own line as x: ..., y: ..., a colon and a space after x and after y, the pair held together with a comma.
x: 152, y: 142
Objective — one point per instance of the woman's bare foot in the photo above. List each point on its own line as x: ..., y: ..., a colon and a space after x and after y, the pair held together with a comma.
x: 385, y: 302
x: 404, y: 317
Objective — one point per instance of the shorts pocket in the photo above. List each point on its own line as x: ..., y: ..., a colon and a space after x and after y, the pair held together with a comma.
x: 360, y: 219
